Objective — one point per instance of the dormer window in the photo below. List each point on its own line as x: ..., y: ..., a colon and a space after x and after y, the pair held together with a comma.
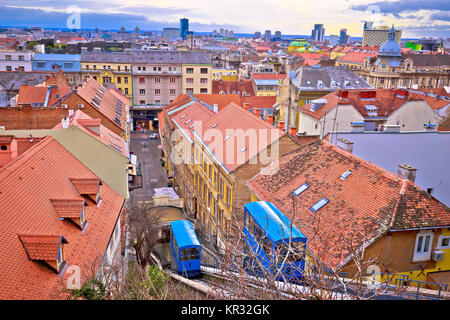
x: 72, y: 210
x: 88, y: 187
x: 47, y: 249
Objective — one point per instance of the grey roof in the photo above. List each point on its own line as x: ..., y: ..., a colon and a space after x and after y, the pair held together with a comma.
x: 105, y: 57
x: 171, y: 57
x: 428, y: 59
x: 327, y: 78
x: 12, y: 80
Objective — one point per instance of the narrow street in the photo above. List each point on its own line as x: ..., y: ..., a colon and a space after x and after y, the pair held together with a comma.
x: 148, y: 154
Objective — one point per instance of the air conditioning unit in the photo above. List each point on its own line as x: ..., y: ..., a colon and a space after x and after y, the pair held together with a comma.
x: 438, y: 255
x: 64, y: 106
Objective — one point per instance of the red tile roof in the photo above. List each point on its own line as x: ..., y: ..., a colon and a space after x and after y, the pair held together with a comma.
x: 361, y: 208
x: 109, y: 101
x: 386, y: 100
x: 356, y: 57
x: 86, y: 185
x: 233, y: 87
x: 27, y: 184
x: 38, y: 94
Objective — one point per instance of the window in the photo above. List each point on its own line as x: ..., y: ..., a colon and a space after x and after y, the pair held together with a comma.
x: 126, y: 90
x: 125, y: 80
x: 422, y: 249
x: 319, y: 204
x: 142, y: 102
x: 189, y: 80
x: 204, y: 70
x: 172, y: 80
x: 119, y: 80
x: 157, y: 80
x: 95, y: 67
x: 141, y: 91
x: 300, y: 189
x: 444, y: 242
x: 190, y: 70
x: 8, y: 57
x: 21, y: 58
x: 8, y: 68
x: 204, y: 80
x: 157, y: 91
x: 190, y: 90
x: 172, y: 92
x: 141, y: 80
x: 42, y: 65
x: 118, y: 68
x: 157, y: 102
x: 203, y: 90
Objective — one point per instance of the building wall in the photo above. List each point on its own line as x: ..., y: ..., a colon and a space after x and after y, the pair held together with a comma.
x: 196, y: 86
x: 11, y: 61
x: 413, y: 115
x: 106, y: 72
x: 376, y: 37
x: 73, y: 102
x: 161, y: 84
x: 14, y: 119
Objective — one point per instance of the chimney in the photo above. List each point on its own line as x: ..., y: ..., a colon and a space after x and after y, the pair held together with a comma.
x: 8, y: 149
x: 358, y: 126
x: 281, y: 125
x: 407, y: 172
x: 269, y: 119
x: 345, y: 144
x: 257, y: 112
x: 65, y: 123
x: 292, y: 131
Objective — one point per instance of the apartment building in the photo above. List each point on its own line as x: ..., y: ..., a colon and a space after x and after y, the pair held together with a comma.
x: 11, y: 60
x: 212, y: 150
x: 196, y: 78
x: 109, y: 68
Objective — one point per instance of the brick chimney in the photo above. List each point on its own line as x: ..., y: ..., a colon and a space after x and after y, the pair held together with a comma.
x: 292, y: 131
x: 281, y: 125
x: 407, y: 172
x: 257, y: 112
x: 8, y: 149
x: 345, y: 144
x: 269, y: 119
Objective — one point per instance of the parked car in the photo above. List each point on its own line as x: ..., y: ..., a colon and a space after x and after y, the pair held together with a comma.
x: 153, y: 136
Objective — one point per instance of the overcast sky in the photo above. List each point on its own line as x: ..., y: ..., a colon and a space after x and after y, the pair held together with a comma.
x: 417, y: 18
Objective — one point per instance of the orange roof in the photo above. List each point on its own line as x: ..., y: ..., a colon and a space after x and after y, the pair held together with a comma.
x: 268, y: 76
x: 360, y: 209
x: 356, y: 57
x: 109, y: 102
x: 233, y: 87
x: 27, y: 185
x: 38, y: 95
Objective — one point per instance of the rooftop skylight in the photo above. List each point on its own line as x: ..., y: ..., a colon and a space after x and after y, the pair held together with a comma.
x: 300, y: 189
x: 345, y: 175
x: 319, y: 204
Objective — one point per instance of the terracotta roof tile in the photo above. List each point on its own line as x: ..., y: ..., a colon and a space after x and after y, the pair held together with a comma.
x: 41, y: 247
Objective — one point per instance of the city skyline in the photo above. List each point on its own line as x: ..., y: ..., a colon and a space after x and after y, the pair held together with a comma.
x: 421, y: 19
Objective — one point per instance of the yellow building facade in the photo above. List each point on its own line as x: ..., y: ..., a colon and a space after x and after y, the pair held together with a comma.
x: 109, y: 68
